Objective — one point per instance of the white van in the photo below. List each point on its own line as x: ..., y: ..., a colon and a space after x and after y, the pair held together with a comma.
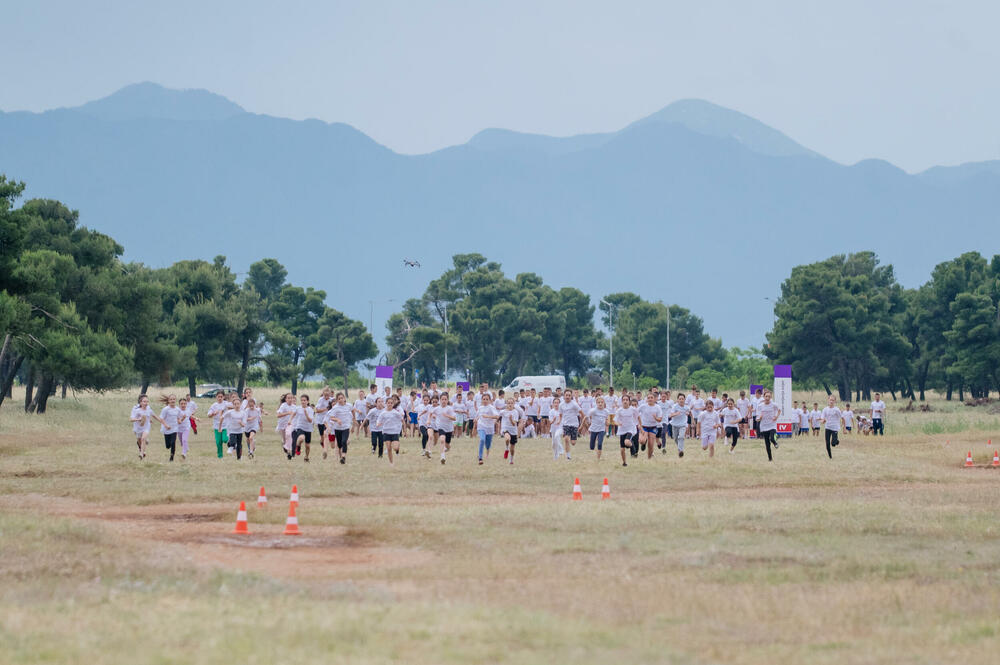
x: 539, y: 383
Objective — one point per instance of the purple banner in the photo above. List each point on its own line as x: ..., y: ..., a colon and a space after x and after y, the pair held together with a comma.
x: 463, y: 386
x: 754, y: 388
x: 782, y: 371
x: 383, y: 372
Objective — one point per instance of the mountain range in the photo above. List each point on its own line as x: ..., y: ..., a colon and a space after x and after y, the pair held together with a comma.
x: 696, y: 204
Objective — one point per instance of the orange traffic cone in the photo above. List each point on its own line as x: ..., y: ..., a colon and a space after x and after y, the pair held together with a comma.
x: 294, y: 498
x: 605, y: 490
x: 292, y: 523
x: 262, y: 499
x: 996, y: 458
x: 968, y: 459
x: 577, y: 494
x: 241, y: 519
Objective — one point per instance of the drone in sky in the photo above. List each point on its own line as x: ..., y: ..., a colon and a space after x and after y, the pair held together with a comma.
x: 411, y: 264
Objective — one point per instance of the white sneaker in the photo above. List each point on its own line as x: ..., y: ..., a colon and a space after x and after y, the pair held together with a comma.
x: 231, y: 450
x: 732, y: 451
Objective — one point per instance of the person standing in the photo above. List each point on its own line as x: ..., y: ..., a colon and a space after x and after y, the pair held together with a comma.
x: 878, y: 415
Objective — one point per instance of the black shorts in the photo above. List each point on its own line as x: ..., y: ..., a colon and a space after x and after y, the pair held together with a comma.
x: 733, y: 432
x: 236, y: 439
x: 301, y: 432
x: 322, y: 429
x: 513, y: 438
x: 251, y: 431
x: 341, y: 436
x: 446, y: 435
x: 534, y: 419
x: 743, y: 421
x: 390, y: 437
x: 543, y: 418
x: 570, y: 431
x: 626, y: 440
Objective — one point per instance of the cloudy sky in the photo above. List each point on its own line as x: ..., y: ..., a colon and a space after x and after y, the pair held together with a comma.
x: 913, y: 82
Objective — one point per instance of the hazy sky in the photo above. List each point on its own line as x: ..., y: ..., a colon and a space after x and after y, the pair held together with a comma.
x: 913, y: 82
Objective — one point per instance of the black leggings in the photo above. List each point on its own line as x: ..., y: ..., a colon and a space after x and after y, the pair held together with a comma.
x: 378, y: 441
x: 831, y: 440
x: 341, y: 435
x: 598, y: 438
x: 170, y: 440
x: 236, y: 441
x: 769, y: 441
x: 423, y: 437
x: 734, y: 432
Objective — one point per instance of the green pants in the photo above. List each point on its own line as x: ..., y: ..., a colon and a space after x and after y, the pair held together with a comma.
x: 221, y: 439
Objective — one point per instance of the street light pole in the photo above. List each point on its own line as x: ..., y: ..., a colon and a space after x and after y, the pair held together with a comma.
x: 668, y: 347
x: 611, y: 352
x: 445, y: 343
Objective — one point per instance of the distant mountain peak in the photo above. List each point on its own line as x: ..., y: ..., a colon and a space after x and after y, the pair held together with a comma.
x: 711, y: 119
x: 152, y: 100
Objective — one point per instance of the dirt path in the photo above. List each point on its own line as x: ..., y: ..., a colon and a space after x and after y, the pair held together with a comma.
x: 201, y: 535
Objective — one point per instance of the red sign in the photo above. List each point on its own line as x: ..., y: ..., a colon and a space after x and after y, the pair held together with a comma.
x: 784, y: 428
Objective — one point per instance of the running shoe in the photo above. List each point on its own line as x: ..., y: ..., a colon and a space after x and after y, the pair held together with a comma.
x: 775, y: 444
x: 343, y: 460
x: 442, y: 461
x: 324, y: 453
x: 624, y: 463
x: 480, y: 462
x: 505, y: 453
x: 680, y: 453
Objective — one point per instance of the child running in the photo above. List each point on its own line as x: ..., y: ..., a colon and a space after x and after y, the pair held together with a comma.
x: 486, y: 419
x: 170, y: 418
x: 731, y: 419
x: 341, y: 418
x: 832, y: 417
x: 142, y: 419
x: 768, y: 413
x: 510, y: 422
x: 444, y: 424
x: 390, y: 424
x: 424, y: 423
x: 371, y: 422
x: 302, y: 426
x: 254, y: 420
x: 286, y: 409
x: 678, y: 422
x: 215, y: 413
x: 597, y: 419
x: 708, y: 427
x: 233, y: 421
x: 650, y: 418
x: 184, y: 424
x: 627, y: 420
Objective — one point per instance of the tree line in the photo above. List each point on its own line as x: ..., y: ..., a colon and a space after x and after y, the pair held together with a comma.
x: 73, y: 313
x: 846, y: 324
x: 496, y: 328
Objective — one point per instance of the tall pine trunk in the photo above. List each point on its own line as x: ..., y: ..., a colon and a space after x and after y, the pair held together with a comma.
x: 45, y: 388
x: 29, y: 387
x: 13, y: 365
x: 192, y: 387
x: 145, y: 387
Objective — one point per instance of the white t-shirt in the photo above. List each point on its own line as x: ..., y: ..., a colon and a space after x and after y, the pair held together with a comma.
x: 743, y: 406
x: 848, y: 418
x: 302, y: 420
x: 831, y: 417
x: 814, y: 417
x: 768, y: 415
x: 803, y: 418
x: 569, y: 413
x: 598, y: 420
x: 731, y: 417
x: 587, y: 403
x: 215, y: 413
x: 531, y: 406
x: 679, y: 416
x: 343, y: 412
x: 708, y: 420
x: 487, y: 416
x: 650, y: 416
x: 234, y: 421
x: 445, y: 424
x: 390, y: 421
x: 147, y: 419
x: 544, y: 405
x: 284, y: 413
x: 252, y: 419
x: 696, y: 405
x: 878, y: 409
x: 372, y: 418
x: 171, y: 416
x: 509, y: 421
x: 627, y: 420
x: 360, y: 409
x: 423, y: 412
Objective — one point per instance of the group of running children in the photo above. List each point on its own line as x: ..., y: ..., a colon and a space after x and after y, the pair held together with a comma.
x: 642, y: 423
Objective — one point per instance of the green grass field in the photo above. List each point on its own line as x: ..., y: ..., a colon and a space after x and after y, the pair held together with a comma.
x: 889, y: 553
